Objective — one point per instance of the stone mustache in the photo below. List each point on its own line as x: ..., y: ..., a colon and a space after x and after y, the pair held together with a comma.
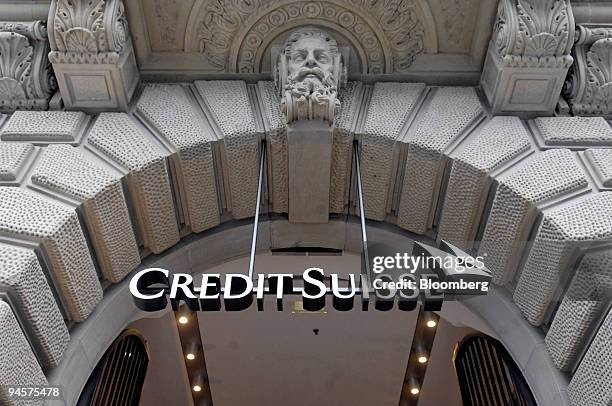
x: 310, y: 69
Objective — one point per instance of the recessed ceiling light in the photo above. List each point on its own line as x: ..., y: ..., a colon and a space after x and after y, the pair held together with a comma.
x: 431, y: 323
x: 183, y: 320
x: 422, y: 359
x: 414, y: 391
x: 197, y: 388
x: 190, y: 356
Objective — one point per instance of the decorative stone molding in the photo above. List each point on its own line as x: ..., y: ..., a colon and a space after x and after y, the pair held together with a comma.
x: 528, y: 56
x: 310, y: 70
x: 26, y: 78
x: 92, y: 53
x: 233, y: 34
x: 588, y: 88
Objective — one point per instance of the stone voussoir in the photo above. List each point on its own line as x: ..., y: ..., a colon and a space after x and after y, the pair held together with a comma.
x: 230, y: 108
x: 19, y: 365
x: 550, y: 175
x: 24, y: 214
x: 448, y: 114
x: 63, y: 169
x: 117, y: 137
x: 168, y: 110
x: 22, y: 278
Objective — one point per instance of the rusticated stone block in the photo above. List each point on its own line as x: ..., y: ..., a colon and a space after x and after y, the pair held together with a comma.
x: 19, y: 365
x: 572, y: 132
x: 45, y: 127
x: 22, y: 278
x: 64, y: 170
x: 561, y: 233
x: 497, y: 143
x: 117, y: 137
x: 582, y: 306
x: 229, y: 105
x: 601, y: 161
x: 590, y: 385
x: 168, y: 110
x: 551, y: 174
x: 276, y: 136
x: 26, y: 215
x: 390, y: 107
x: 342, y: 150
x: 12, y: 159
x: 449, y: 113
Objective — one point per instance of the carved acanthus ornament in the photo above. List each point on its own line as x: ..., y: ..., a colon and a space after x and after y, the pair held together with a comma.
x: 93, y: 31
x: 229, y: 33
x: 310, y: 70
x: 534, y: 33
x: 92, y: 54
x: 589, y: 85
x: 26, y: 79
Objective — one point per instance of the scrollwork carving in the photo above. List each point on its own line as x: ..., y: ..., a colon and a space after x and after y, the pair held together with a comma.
x: 534, y: 33
x: 589, y: 85
x: 88, y: 26
x: 391, y: 33
x: 26, y: 78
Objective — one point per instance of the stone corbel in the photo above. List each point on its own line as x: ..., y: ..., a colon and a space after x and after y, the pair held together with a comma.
x: 528, y: 56
x: 588, y: 88
x: 92, y: 54
x: 26, y: 78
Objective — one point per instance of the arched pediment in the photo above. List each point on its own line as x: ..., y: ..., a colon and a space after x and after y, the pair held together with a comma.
x: 233, y: 35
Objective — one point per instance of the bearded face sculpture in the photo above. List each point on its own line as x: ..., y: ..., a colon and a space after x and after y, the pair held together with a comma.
x: 309, y: 69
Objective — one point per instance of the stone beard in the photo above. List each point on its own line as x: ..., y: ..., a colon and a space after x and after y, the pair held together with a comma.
x: 308, y: 74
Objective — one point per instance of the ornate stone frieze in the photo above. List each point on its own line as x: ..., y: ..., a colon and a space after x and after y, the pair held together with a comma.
x: 310, y: 70
x: 589, y: 85
x: 92, y: 53
x: 528, y: 56
x: 231, y: 34
x: 26, y: 79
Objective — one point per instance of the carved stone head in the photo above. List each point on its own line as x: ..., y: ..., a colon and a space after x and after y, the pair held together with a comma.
x: 309, y: 70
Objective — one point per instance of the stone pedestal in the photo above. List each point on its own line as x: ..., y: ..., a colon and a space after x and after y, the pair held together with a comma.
x: 309, y: 144
x: 102, y: 82
x: 514, y: 88
x: 528, y: 57
x: 92, y: 54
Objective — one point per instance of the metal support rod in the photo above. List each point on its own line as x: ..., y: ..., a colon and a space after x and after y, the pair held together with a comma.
x: 257, y: 208
x: 364, y: 234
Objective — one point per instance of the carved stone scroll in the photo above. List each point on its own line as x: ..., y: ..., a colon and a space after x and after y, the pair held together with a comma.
x: 528, y: 56
x: 26, y: 78
x: 92, y: 53
x: 589, y: 85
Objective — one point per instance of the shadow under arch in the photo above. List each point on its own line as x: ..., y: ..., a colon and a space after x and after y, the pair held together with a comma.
x: 494, y: 313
